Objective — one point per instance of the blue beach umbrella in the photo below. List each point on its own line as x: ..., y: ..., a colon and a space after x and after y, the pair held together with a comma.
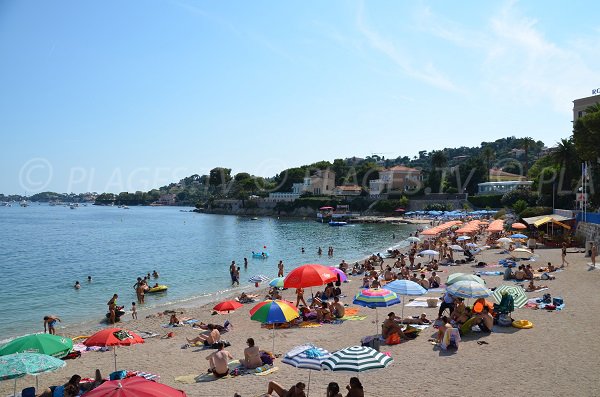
x: 468, y: 289
x: 277, y: 282
x: 518, y: 235
x: 405, y: 287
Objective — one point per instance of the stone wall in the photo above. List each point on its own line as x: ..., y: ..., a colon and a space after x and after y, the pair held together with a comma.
x: 588, y: 232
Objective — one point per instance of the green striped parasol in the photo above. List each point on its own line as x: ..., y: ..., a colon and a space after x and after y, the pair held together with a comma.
x: 517, y: 292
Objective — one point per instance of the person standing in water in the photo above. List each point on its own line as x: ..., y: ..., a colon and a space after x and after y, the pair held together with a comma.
x: 245, y: 263
x: 49, y: 323
x: 112, y: 309
x: 280, y: 269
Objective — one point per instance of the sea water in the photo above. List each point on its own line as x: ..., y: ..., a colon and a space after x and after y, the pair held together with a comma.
x: 45, y: 249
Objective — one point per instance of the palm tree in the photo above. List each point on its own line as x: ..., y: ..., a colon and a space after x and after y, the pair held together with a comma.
x: 526, y: 143
x: 489, y: 155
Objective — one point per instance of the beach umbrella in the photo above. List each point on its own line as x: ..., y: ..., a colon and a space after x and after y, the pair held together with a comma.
x: 277, y: 282
x: 468, y: 289
x: 521, y: 253
x: 405, y: 287
x: 258, y: 278
x: 462, y: 238
x: 471, y: 245
x: 518, y: 235
x: 456, y: 277
x: 504, y: 240
x: 518, y: 225
x: 310, y: 358
x: 374, y: 298
x: 52, y: 345
x: 357, y: 359
x: 274, y: 312
x: 135, y: 386
x: 310, y: 275
x: 326, y: 208
x: 340, y: 273
x: 17, y: 365
x: 456, y: 247
x: 413, y: 239
x: 518, y: 293
x: 113, y: 337
x: 429, y: 253
x: 227, y: 306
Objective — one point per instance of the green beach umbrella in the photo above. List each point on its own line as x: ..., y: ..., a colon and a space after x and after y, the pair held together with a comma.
x: 52, y: 345
x: 456, y: 277
x: 17, y: 365
x: 518, y: 293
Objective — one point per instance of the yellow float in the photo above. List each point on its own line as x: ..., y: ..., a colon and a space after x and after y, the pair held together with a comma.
x: 523, y: 324
x: 160, y: 288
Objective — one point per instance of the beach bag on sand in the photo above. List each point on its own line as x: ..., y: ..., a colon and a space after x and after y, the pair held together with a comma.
x: 373, y: 343
x: 547, y: 298
x: 557, y: 301
x: 266, y: 358
x: 393, y: 339
x: 504, y: 320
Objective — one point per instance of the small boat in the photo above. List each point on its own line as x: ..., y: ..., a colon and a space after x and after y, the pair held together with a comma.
x: 337, y: 223
x: 125, y: 207
x: 24, y: 203
x: 254, y: 219
x: 159, y: 288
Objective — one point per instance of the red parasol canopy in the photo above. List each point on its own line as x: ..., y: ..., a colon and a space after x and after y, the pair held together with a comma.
x: 518, y: 225
x: 326, y: 208
x: 311, y: 275
x: 227, y: 306
x: 136, y: 386
x: 113, y: 337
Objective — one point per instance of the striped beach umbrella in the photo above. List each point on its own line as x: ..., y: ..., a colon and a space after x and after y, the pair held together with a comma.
x: 518, y: 293
x: 405, y: 287
x: 258, y: 278
x: 357, y: 359
x: 468, y: 289
x: 274, y: 312
x: 310, y: 358
x: 277, y: 282
x: 456, y: 277
x: 374, y: 298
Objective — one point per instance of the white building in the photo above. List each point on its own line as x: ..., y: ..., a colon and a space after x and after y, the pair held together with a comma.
x: 488, y: 188
x: 396, y: 179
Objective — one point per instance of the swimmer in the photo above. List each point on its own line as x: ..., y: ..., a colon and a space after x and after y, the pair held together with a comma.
x: 77, y: 285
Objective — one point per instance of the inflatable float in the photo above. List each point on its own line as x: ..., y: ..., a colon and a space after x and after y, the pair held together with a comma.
x: 160, y: 288
x: 262, y: 255
x: 523, y: 324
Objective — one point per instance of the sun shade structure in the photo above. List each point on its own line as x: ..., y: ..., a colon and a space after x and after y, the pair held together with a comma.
x: 13, y: 366
x: 274, y: 312
x: 468, y: 289
x: 310, y: 358
x: 548, y: 219
x: 259, y: 278
x: 227, y: 306
x: 456, y: 277
x: 52, y: 345
x: 405, y: 287
x: 374, y: 298
x: 311, y: 275
x: 357, y: 359
x: 113, y: 337
x: 135, y: 386
x: 518, y: 226
x: 517, y: 292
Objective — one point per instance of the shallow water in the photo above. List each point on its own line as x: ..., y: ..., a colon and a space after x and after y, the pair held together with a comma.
x: 45, y: 249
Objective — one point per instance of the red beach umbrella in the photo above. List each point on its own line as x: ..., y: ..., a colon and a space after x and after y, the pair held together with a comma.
x: 518, y: 225
x: 326, y: 208
x: 136, y: 386
x: 227, y: 306
x: 113, y: 337
x: 311, y: 275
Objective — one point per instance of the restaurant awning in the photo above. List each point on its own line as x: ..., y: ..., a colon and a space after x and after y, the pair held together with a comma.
x: 547, y: 219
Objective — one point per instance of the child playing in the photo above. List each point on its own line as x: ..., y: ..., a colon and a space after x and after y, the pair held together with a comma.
x: 133, y: 311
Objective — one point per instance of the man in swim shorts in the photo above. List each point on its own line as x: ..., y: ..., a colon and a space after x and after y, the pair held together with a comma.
x: 218, y: 361
x: 50, y: 323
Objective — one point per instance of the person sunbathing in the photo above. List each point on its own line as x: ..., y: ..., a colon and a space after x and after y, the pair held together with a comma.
x: 174, y: 320
x: 218, y: 361
x: 324, y: 314
x: 531, y: 287
x: 420, y: 320
x: 208, y: 339
x: 246, y: 298
x: 295, y: 391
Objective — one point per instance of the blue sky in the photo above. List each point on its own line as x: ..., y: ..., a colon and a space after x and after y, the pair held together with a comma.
x: 124, y: 96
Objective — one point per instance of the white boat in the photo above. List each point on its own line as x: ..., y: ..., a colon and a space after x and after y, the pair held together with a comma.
x: 125, y: 207
x: 24, y: 203
x: 73, y: 206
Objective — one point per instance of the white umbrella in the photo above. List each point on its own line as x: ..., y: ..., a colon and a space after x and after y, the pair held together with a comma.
x: 463, y: 238
x: 504, y: 240
x: 413, y: 239
x: 429, y: 253
x: 456, y: 247
x: 471, y: 245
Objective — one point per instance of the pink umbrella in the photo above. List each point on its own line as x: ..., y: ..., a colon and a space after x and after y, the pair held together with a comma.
x: 339, y: 272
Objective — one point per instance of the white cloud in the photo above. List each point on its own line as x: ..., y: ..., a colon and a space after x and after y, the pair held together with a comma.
x: 426, y: 73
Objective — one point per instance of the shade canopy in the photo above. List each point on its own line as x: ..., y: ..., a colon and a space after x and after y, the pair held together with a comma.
x: 518, y: 226
x: 429, y: 253
x: 413, y: 239
x: 456, y: 277
x: 52, y: 345
x: 16, y: 365
x: 113, y: 337
x: 549, y: 219
x: 517, y: 292
x: 340, y: 273
x: 311, y: 358
x: 357, y: 359
x: 274, y: 312
x: 277, y: 282
x: 468, y: 289
x: 227, y: 306
x: 136, y: 386
x: 258, y: 278
x: 405, y: 287
x: 311, y: 275
x: 518, y: 236
x: 376, y: 297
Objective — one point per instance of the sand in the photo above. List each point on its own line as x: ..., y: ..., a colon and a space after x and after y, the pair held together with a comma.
x: 558, y: 357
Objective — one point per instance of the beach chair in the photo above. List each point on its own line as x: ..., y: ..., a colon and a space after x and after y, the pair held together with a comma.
x: 506, y: 305
x: 466, y: 327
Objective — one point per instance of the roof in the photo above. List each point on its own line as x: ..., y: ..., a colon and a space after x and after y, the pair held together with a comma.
x: 402, y: 168
x: 534, y: 219
x: 503, y: 175
x: 508, y: 183
x: 348, y: 187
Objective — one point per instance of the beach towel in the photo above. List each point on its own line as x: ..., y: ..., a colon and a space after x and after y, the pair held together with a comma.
x: 207, y: 377
x: 350, y: 311
x: 353, y: 318
x: 190, y: 321
x: 490, y: 273
x: 451, y: 339
x: 419, y: 303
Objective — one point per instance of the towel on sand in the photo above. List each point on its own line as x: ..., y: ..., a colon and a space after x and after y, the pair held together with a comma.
x: 418, y: 303
x: 353, y: 318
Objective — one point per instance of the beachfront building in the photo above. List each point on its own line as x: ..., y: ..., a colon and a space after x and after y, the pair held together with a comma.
x: 321, y: 183
x: 167, y: 199
x: 396, y: 179
x: 491, y: 188
x: 347, y: 191
x: 579, y: 105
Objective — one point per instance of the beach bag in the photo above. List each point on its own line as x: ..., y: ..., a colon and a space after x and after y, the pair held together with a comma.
x: 118, y: 375
x: 266, y: 358
x: 545, y: 276
x: 393, y: 339
x: 504, y: 320
x: 557, y: 301
x: 373, y: 343
x: 547, y: 298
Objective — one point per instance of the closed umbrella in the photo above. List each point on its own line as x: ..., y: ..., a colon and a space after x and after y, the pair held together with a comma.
x: 136, y: 386
x: 468, y: 289
x: 274, y: 312
x: 456, y: 277
x: 17, y: 365
x: 52, y: 345
x: 310, y: 358
x: 310, y: 275
x: 517, y: 292
x: 113, y: 337
x: 357, y: 359
x: 405, y: 287
x: 374, y: 298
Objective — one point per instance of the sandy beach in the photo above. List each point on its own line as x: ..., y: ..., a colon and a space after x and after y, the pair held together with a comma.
x: 554, y: 358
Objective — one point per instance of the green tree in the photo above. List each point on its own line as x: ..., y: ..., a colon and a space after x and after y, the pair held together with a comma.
x: 527, y: 143
x: 519, y: 206
x: 438, y: 162
x: 219, y: 176
x: 489, y: 155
